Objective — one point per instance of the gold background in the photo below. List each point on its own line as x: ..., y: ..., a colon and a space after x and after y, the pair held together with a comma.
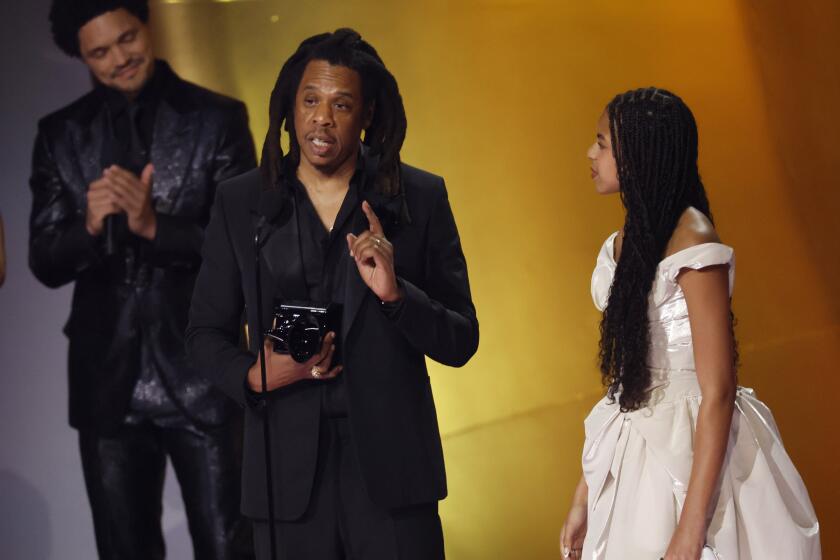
x: 502, y: 98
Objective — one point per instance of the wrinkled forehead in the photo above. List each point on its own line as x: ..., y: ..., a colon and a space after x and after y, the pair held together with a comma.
x: 323, y: 76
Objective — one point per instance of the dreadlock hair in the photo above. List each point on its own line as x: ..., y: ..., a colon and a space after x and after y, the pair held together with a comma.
x: 384, y: 136
x: 68, y: 16
x: 654, y: 140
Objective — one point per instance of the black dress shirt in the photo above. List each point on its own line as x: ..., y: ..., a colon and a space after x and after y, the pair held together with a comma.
x: 132, y: 120
x: 324, y: 255
x: 132, y: 124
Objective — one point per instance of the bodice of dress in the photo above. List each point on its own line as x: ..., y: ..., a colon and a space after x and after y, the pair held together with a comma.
x: 670, y: 331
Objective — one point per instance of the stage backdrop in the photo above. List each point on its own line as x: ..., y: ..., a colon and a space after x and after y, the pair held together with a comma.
x: 502, y: 98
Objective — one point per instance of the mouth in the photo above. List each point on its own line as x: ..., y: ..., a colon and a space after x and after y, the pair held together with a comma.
x: 593, y: 173
x: 129, y: 70
x: 321, y: 145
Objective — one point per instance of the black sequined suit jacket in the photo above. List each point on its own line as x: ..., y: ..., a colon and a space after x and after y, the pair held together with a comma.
x: 200, y: 138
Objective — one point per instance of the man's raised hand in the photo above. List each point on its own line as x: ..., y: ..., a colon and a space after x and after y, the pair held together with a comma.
x: 374, y: 256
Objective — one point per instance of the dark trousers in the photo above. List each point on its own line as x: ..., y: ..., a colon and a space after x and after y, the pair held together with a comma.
x: 341, y: 523
x: 124, y: 476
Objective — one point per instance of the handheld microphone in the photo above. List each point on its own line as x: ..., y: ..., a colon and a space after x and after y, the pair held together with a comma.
x: 114, y: 231
x: 110, y: 228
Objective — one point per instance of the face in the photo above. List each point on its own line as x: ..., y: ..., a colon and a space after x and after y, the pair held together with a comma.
x: 600, y: 154
x: 117, y: 48
x: 330, y: 116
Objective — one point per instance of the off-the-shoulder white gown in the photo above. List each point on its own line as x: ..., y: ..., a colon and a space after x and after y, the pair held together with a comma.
x: 637, y: 464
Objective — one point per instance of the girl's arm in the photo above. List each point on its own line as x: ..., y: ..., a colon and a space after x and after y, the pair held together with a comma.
x: 574, y: 529
x: 707, y: 296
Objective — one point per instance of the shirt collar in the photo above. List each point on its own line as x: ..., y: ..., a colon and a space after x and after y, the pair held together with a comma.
x: 357, y: 181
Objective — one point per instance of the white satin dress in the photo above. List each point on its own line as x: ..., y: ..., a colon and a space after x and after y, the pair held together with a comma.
x: 637, y: 464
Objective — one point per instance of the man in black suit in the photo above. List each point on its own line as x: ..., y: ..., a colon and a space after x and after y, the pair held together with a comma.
x: 357, y: 462
x: 122, y: 182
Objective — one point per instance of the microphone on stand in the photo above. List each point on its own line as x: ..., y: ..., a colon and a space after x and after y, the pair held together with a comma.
x: 271, y: 205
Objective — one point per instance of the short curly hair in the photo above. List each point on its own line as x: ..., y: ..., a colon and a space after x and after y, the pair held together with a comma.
x: 68, y: 16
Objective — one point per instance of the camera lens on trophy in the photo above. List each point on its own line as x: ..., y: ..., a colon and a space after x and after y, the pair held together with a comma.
x: 299, y: 328
x: 305, y: 338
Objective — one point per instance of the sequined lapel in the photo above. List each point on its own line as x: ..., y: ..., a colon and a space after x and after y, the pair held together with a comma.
x: 174, y: 141
x: 89, y: 142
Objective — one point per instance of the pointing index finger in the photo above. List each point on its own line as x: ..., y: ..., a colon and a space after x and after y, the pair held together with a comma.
x: 373, y: 220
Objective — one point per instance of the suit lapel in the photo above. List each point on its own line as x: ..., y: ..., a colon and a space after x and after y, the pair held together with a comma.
x: 355, y: 290
x: 174, y: 140
x: 280, y: 258
x: 93, y: 152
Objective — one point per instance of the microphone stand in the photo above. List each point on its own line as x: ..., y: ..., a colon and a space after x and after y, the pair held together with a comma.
x: 266, y: 426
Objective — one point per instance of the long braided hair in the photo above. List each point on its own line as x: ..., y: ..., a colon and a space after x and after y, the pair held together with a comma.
x: 654, y: 140
x: 386, y: 133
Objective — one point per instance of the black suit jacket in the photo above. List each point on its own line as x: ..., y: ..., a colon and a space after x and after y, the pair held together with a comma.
x: 391, y: 409
x: 200, y: 138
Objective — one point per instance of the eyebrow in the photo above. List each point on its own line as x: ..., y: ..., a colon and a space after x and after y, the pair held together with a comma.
x: 338, y: 93
x: 601, y: 137
x: 121, y: 36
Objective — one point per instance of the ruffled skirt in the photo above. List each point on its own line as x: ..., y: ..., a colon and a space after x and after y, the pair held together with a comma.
x: 637, y: 466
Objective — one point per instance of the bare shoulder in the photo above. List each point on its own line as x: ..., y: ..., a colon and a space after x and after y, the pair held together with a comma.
x: 693, y: 228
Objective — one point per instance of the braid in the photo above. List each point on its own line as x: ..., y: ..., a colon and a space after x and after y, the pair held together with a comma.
x: 386, y: 132
x: 654, y: 139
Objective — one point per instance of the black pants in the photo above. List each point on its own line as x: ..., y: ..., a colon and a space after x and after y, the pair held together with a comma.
x: 124, y: 476
x: 341, y: 523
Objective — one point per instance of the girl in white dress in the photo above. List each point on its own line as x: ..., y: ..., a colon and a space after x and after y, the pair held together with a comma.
x: 679, y: 462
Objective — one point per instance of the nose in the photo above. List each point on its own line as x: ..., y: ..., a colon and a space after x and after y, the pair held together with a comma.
x: 592, y: 151
x: 323, y: 115
x: 120, y: 56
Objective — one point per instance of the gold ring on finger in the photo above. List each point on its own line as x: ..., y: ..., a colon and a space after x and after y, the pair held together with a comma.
x: 315, y: 372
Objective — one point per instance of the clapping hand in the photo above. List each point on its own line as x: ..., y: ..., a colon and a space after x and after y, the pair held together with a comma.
x: 133, y: 196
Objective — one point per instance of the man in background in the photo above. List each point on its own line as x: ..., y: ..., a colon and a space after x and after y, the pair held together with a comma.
x: 122, y: 182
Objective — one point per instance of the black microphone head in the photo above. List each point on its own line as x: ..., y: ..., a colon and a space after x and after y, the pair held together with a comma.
x: 272, y: 202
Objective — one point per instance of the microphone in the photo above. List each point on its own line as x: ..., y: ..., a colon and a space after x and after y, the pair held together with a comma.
x: 272, y: 203
x: 110, y: 234
x: 114, y: 230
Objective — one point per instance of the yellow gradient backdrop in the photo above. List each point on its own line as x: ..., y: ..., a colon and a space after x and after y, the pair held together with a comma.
x: 502, y: 98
